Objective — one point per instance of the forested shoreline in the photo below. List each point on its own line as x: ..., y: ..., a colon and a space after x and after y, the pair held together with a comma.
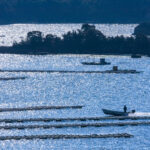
x: 87, y: 40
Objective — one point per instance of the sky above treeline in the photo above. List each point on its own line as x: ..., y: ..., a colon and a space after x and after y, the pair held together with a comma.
x: 74, y: 11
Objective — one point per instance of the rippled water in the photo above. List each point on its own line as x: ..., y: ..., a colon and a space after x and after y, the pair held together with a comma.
x: 17, y: 32
x: 94, y: 91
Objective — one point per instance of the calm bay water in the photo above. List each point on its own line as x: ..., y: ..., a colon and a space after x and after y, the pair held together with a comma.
x: 94, y: 91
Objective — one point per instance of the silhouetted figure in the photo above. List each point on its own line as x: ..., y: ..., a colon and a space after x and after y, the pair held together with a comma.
x: 125, y: 108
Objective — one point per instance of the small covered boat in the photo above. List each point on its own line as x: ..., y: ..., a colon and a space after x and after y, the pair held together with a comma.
x: 95, y: 63
x: 102, y: 62
x: 116, y: 113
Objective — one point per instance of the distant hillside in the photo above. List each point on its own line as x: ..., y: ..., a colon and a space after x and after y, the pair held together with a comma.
x: 75, y: 11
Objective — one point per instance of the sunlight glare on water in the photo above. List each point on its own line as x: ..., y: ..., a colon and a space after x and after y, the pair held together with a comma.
x: 93, y: 91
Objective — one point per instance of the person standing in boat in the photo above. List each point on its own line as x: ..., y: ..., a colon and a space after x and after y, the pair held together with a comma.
x: 125, y: 108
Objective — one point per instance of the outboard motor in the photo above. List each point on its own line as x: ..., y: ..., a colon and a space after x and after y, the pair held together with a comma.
x: 133, y: 111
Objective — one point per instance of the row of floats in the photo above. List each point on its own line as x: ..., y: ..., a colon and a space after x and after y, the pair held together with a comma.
x: 65, y: 124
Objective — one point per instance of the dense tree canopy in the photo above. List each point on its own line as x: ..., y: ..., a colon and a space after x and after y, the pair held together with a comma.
x: 142, y: 29
x: 51, y: 11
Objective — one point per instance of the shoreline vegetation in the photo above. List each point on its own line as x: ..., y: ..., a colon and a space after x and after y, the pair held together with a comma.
x: 87, y: 40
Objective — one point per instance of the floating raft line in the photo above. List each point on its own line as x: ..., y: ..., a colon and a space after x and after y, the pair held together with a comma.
x: 12, y: 78
x: 22, y: 127
x: 32, y: 137
x: 75, y: 119
x: 39, y: 108
x: 64, y: 71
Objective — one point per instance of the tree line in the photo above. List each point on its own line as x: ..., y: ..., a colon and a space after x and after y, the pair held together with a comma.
x: 87, y: 40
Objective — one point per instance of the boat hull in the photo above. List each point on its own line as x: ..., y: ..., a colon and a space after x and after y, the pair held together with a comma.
x: 115, y: 113
x: 94, y: 63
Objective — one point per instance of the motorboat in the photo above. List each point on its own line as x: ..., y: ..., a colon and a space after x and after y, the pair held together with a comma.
x: 117, y: 113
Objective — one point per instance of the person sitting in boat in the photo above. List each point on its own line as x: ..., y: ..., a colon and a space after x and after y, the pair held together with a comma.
x: 125, y: 108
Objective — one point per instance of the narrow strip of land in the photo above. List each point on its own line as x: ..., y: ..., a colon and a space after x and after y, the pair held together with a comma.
x: 75, y: 119
x: 32, y: 137
x: 65, y: 71
x: 82, y: 125
x: 39, y: 108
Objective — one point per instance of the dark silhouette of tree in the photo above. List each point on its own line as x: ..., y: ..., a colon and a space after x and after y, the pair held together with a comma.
x: 33, y: 42
x: 73, y: 41
x: 93, y: 39
x: 35, y: 37
x: 142, y: 29
x: 142, y: 44
x: 87, y: 27
x: 52, y: 43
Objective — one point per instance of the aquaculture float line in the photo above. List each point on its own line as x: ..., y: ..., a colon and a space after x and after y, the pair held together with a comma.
x: 32, y: 137
x: 12, y: 78
x: 65, y: 71
x: 40, y: 108
x: 75, y: 119
x: 82, y: 125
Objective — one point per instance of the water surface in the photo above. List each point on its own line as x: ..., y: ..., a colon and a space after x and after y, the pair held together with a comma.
x: 94, y: 91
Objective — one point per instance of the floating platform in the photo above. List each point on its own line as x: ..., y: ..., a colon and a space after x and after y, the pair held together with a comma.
x: 39, y: 108
x: 81, y: 125
x: 116, y: 70
x: 32, y: 137
x: 122, y: 71
x: 75, y: 119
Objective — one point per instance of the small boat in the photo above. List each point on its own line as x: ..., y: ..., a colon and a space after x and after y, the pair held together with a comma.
x: 95, y: 63
x: 116, y: 113
x: 101, y: 62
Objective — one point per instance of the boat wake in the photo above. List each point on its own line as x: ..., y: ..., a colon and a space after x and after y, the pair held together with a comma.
x: 139, y: 114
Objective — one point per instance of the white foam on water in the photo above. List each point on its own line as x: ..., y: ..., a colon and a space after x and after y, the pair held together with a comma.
x: 140, y: 114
